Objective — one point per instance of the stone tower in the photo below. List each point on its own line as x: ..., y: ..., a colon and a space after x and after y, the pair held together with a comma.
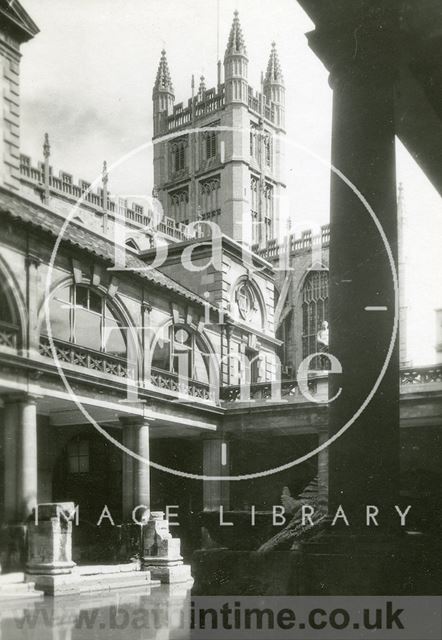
x: 222, y: 159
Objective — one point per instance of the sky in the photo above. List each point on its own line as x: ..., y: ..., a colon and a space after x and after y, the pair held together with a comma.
x: 87, y: 80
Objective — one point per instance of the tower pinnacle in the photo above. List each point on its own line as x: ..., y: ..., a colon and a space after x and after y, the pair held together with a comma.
x: 274, y: 89
x: 274, y: 73
x: 163, y: 80
x: 236, y: 43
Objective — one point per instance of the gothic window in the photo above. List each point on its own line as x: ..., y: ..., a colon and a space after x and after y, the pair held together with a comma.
x: 211, y: 145
x: 179, y: 201
x: 268, y: 214
x: 254, y: 192
x: 78, y: 455
x: 285, y: 334
x: 261, y: 210
x: 254, y: 141
x: 314, y: 313
x: 80, y: 315
x: 183, y: 352
x: 268, y: 149
x: 210, y: 198
x: 268, y: 197
x: 178, y: 155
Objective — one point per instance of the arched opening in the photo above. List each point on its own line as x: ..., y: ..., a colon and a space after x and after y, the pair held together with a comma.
x: 182, y: 351
x: 83, y: 316
x: 314, y: 314
x: 9, y: 320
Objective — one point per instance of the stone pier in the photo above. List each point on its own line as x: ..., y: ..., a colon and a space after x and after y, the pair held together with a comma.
x: 363, y: 461
x: 20, y: 476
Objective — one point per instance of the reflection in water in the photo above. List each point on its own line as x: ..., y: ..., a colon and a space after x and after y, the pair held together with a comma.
x: 161, y: 613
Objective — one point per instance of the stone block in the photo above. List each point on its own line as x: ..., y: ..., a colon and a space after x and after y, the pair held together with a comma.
x: 161, y: 553
x: 157, y: 540
x: 50, y: 541
x: 56, y: 585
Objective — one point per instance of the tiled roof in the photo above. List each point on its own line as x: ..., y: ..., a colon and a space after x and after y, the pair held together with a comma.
x: 74, y: 235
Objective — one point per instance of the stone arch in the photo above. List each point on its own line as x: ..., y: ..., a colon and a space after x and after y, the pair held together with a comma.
x: 10, y: 289
x: 165, y: 328
x: 115, y: 304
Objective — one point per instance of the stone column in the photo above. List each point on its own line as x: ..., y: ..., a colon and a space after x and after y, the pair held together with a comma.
x: 136, y: 474
x: 27, y: 457
x: 364, y: 461
x: 141, y: 469
x: 216, y: 493
x: 20, y: 445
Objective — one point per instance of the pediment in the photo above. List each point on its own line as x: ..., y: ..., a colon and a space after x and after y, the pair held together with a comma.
x: 18, y: 20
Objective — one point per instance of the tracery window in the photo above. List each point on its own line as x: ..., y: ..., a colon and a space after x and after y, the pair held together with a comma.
x: 178, y: 155
x: 261, y: 210
x: 210, y: 197
x: 314, y: 313
x: 254, y: 141
x: 81, y: 315
x: 178, y: 202
x: 268, y: 148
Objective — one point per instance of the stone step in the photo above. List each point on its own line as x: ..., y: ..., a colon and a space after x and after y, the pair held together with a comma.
x: 76, y: 583
x: 12, y: 578
x: 120, y: 580
x: 96, y: 569
x: 14, y: 589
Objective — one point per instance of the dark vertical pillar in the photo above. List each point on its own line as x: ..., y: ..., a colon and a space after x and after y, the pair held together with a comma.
x: 359, y: 47
x: 364, y: 461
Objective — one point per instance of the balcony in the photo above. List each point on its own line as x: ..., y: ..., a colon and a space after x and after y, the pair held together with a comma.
x: 93, y: 360
x: 411, y: 379
x: 169, y: 381
x: 109, y: 365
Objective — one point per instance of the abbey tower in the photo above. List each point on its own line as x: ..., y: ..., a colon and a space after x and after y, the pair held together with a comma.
x: 220, y: 156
